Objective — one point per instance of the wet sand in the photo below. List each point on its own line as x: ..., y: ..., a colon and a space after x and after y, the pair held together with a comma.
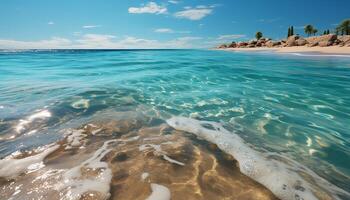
x: 131, y: 159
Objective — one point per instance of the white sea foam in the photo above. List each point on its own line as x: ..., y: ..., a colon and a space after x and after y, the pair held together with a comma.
x: 82, y: 103
x: 11, y: 167
x: 158, y: 151
x: 21, y: 126
x: 144, y: 176
x: 74, y: 184
x: 283, y: 179
x: 319, y: 55
x: 159, y: 192
x: 74, y: 138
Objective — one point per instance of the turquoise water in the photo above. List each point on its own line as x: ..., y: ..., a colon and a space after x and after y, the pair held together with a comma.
x: 296, y: 106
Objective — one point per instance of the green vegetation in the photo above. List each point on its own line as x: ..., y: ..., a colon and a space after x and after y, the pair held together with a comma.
x: 326, y: 32
x: 343, y: 28
x: 258, y: 35
x: 314, y: 31
x: 290, y: 31
x: 309, y: 29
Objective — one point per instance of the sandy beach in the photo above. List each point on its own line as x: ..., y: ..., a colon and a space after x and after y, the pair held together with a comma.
x: 298, y: 49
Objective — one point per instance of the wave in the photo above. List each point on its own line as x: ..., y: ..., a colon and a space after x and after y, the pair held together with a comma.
x: 284, y: 177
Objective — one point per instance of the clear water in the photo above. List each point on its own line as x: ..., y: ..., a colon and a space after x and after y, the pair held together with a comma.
x: 298, y: 106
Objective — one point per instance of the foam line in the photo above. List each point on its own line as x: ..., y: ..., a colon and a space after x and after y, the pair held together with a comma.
x: 159, y: 192
x: 280, y: 178
x: 11, y: 168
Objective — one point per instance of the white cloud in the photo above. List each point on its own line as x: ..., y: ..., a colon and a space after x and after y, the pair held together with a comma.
x: 91, y: 26
x: 151, y: 8
x: 101, y: 41
x: 194, y: 13
x: 230, y: 37
x: 50, y: 23
x: 164, y: 30
x: 173, y: 1
x: 53, y: 43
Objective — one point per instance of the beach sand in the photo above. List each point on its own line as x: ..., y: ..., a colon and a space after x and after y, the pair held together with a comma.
x: 299, y: 49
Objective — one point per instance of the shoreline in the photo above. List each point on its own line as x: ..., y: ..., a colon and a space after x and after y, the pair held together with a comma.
x: 332, y: 50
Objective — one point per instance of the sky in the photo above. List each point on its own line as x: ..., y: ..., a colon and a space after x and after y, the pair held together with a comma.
x: 144, y: 24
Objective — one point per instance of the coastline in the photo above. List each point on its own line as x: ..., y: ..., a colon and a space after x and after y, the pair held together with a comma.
x: 332, y: 50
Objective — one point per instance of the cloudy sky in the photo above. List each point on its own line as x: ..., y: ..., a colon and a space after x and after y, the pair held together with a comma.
x: 157, y: 24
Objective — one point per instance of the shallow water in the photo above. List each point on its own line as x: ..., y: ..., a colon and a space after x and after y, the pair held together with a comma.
x: 289, y: 110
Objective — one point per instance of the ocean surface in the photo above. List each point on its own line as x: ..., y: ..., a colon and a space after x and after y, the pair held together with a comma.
x: 283, y: 118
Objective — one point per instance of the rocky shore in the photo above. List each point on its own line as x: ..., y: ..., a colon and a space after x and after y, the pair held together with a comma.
x: 293, y: 41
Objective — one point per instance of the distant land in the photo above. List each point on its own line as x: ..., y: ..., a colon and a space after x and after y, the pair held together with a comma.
x: 337, y: 41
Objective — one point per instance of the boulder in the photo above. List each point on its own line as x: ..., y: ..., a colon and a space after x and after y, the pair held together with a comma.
x: 242, y: 44
x: 260, y: 42
x: 291, y: 41
x: 233, y: 45
x: 251, y: 45
x: 312, y: 44
x: 325, y: 43
x: 301, y: 42
x: 344, y: 39
x: 252, y: 42
x: 337, y: 42
x: 223, y: 46
x: 323, y: 39
x: 273, y: 43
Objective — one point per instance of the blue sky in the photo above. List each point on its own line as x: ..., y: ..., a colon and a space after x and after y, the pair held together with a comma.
x: 158, y: 23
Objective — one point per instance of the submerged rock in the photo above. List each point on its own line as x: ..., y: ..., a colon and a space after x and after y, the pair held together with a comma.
x: 138, y: 162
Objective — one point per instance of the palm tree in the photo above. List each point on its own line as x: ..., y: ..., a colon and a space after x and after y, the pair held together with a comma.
x: 288, y: 32
x: 314, y: 31
x: 309, y: 29
x: 344, y: 27
x: 258, y: 35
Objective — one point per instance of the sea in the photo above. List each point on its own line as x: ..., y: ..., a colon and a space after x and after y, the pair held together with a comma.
x: 174, y: 124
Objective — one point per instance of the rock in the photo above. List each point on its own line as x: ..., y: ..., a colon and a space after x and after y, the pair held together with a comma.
x: 251, y: 45
x: 273, y: 43
x: 242, y: 44
x: 312, y: 44
x: 233, y: 45
x: 261, y: 42
x: 252, y: 42
x: 337, y: 42
x: 324, y: 40
x: 291, y: 41
x: 325, y: 43
x: 301, y: 42
x: 223, y: 46
x: 345, y: 39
